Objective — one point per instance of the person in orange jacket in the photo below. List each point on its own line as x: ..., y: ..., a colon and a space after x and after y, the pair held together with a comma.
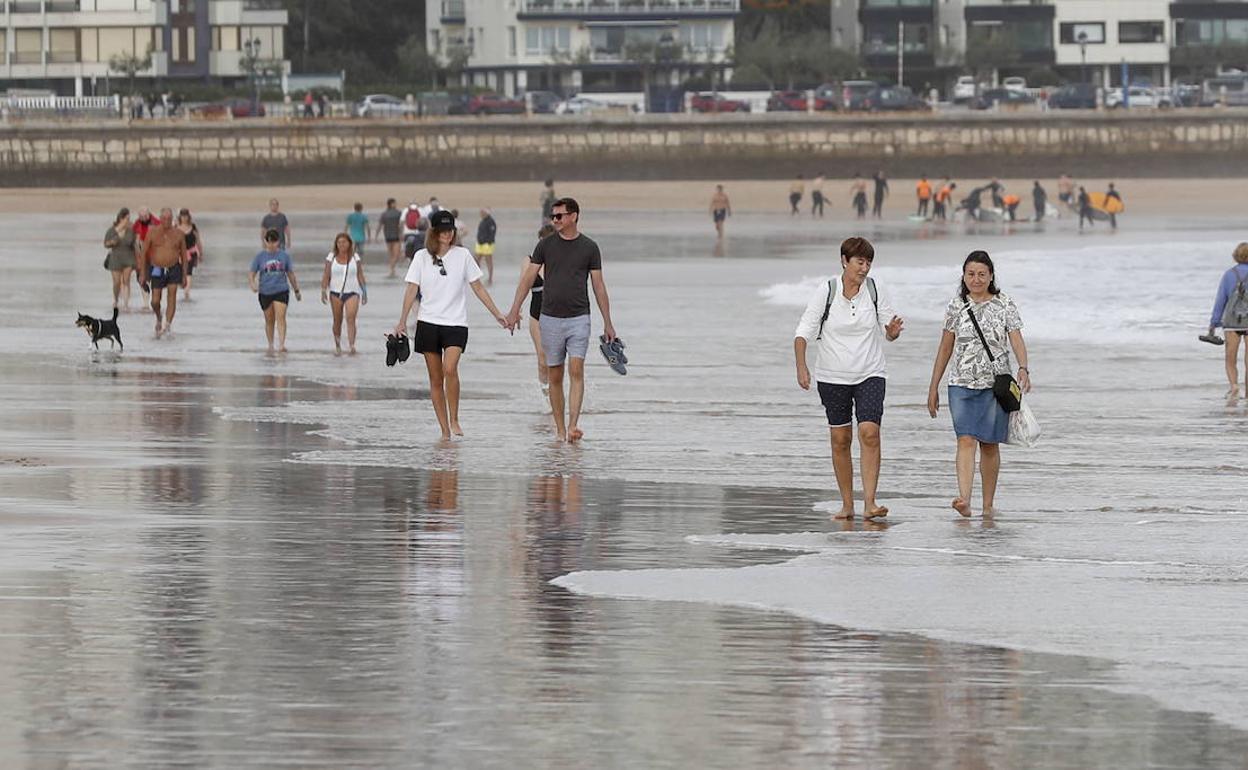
x: 923, y: 190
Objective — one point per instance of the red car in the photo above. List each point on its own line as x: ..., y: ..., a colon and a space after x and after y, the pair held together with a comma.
x: 239, y: 108
x: 494, y: 104
x: 795, y: 101
x: 717, y: 103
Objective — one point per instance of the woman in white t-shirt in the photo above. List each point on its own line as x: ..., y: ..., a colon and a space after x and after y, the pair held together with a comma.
x: 442, y: 273
x: 849, y: 318
x: 343, y: 288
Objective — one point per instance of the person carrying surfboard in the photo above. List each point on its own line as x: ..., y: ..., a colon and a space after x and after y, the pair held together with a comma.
x: 1113, y: 208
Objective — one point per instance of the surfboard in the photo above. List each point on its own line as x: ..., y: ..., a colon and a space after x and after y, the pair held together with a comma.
x: 1103, y: 202
x: 916, y: 218
x: 1051, y: 211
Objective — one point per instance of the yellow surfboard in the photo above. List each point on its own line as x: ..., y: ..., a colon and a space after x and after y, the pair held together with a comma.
x: 1105, y: 203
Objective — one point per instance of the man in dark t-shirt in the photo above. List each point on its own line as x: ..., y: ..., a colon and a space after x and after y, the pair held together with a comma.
x: 390, y: 223
x: 571, y: 261
x: 276, y: 220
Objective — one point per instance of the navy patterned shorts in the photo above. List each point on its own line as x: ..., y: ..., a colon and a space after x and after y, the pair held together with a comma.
x: 841, y: 402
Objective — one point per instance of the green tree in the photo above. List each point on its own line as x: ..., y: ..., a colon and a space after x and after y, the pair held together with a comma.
x: 989, y: 49
x: 653, y: 57
x: 414, y: 65
x: 130, y: 65
x: 787, y: 59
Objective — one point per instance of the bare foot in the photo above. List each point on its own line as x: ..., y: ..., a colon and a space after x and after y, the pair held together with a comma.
x: 990, y: 512
x: 446, y: 438
x: 575, y: 435
x: 159, y: 331
x: 337, y: 352
x: 875, y: 512
x: 845, y: 513
x: 282, y: 349
x: 962, y: 507
x: 561, y: 438
x: 352, y: 352
x: 458, y: 431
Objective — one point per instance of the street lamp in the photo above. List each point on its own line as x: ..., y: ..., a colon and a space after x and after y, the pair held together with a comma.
x: 1083, y: 54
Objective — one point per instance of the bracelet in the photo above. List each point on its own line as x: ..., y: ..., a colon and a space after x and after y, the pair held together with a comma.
x: 1024, y: 369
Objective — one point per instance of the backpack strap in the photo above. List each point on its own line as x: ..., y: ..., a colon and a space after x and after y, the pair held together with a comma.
x: 827, y: 308
x: 875, y: 295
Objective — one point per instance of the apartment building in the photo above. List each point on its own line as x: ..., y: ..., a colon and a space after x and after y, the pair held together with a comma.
x: 66, y: 45
x: 568, y: 46
x: 1091, y: 40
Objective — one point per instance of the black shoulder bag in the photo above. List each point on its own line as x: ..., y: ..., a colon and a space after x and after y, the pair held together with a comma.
x: 1004, y: 388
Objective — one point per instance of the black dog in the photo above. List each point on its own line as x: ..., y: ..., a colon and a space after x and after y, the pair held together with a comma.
x: 101, y: 329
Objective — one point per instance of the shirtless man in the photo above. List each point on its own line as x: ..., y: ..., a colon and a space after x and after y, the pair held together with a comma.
x: 721, y: 209
x: 1066, y: 190
x: 162, y: 265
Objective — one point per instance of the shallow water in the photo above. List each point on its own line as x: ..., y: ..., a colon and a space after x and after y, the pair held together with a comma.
x: 211, y: 557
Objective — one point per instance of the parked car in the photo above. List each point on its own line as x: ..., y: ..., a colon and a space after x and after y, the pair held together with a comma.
x: 1073, y: 96
x: 1185, y: 94
x: 897, y: 98
x: 964, y: 89
x: 494, y: 104
x: 795, y: 101
x: 384, y: 106
x: 1014, y: 84
x: 544, y: 102
x: 1002, y: 96
x: 859, y: 94
x: 579, y: 105
x: 1233, y: 87
x: 1140, y: 97
x: 239, y: 108
x: 717, y: 103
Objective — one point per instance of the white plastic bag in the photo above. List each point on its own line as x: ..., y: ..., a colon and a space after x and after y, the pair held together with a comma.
x: 1024, y: 428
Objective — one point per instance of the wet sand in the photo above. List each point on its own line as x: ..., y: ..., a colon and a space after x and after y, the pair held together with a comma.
x: 227, y: 559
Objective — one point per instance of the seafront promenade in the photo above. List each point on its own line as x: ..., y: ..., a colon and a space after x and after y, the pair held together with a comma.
x: 1165, y: 143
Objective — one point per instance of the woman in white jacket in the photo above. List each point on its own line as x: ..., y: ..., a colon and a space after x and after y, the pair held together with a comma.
x: 849, y: 318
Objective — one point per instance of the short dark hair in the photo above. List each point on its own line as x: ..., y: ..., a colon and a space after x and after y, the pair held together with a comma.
x: 359, y: 206
x: 569, y: 205
x: 857, y: 247
x: 272, y: 236
x: 390, y: 201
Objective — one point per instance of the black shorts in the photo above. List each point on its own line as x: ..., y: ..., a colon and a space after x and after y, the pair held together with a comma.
x: 168, y: 276
x: 720, y: 215
x: 842, y: 401
x: 268, y: 299
x: 535, y: 305
x: 394, y: 239
x: 435, y: 338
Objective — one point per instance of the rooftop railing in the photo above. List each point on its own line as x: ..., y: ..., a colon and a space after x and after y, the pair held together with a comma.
x: 628, y: 7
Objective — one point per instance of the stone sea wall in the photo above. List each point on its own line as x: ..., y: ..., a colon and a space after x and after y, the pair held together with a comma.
x: 1173, y: 143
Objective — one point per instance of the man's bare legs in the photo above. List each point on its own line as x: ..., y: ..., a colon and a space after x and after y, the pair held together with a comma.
x: 576, y: 397
x: 396, y: 251
x: 1232, y: 362
x: 279, y: 324
x: 843, y: 467
x: 171, y: 304
x: 156, y: 309
x: 966, y: 474
x: 270, y: 313
x: 989, y: 470
x: 555, y: 378
x: 869, y: 444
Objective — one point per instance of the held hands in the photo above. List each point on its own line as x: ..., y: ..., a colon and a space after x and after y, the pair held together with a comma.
x: 502, y: 321
x: 893, y: 329
x: 803, y: 377
x: 933, y: 402
x: 512, y: 320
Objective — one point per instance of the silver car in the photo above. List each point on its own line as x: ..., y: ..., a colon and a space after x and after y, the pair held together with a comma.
x: 384, y: 106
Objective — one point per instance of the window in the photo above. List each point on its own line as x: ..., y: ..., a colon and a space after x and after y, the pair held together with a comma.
x: 1211, y: 31
x: 226, y: 38
x: 1093, y: 32
x: 882, y: 38
x: 544, y: 40
x: 1141, y: 32
x: 511, y: 42
x: 702, y: 37
x: 27, y: 46
x: 435, y: 40
x: 63, y: 45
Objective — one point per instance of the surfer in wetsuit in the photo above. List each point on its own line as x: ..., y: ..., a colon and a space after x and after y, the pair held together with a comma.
x: 881, y: 192
x: 1085, y: 208
x: 1113, y: 215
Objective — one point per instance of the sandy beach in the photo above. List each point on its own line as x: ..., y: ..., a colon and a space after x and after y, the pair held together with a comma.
x: 1205, y: 198
x: 214, y: 557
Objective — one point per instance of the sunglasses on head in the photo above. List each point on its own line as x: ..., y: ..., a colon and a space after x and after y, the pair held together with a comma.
x: 437, y: 262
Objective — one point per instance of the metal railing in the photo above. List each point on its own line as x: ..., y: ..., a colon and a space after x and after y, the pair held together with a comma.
x: 60, y: 106
x: 625, y: 7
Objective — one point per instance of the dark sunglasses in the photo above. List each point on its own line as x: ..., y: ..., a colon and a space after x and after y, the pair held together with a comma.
x: 437, y: 262
x: 557, y: 217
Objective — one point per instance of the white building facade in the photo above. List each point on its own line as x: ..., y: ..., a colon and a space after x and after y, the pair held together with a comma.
x: 569, y: 46
x: 66, y: 45
x: 1093, y: 40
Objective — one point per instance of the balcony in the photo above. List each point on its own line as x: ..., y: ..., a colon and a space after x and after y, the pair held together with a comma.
x: 452, y: 12
x: 894, y: 11
x: 1013, y: 12
x: 627, y: 9
x: 1208, y: 9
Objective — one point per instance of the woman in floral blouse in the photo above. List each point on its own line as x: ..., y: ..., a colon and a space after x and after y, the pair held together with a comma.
x: 978, y: 420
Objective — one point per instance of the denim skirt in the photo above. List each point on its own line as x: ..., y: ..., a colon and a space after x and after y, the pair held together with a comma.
x: 976, y: 413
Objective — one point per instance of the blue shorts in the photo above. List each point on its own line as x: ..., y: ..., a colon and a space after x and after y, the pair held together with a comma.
x: 842, y: 401
x: 564, y: 337
x: 976, y: 413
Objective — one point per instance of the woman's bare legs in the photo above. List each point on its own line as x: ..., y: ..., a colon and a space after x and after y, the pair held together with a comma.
x: 117, y: 283
x: 535, y: 331
x: 450, y: 370
x: 989, y: 469
x: 1232, y: 362
x: 843, y: 468
x: 270, y: 314
x: 966, y: 474
x: 869, y: 446
x: 125, y: 286
x: 279, y: 324
x: 437, y: 391
x: 335, y: 306
x: 352, y: 309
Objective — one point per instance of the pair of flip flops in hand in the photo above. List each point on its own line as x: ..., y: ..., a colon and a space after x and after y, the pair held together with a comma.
x: 398, y: 349
x: 1212, y: 339
x: 613, y: 351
